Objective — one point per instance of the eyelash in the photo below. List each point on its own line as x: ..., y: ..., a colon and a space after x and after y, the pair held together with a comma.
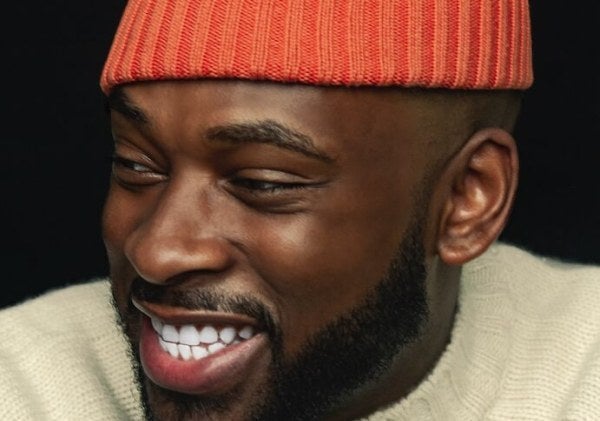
x: 130, y: 165
x: 251, y: 185
x: 268, y: 187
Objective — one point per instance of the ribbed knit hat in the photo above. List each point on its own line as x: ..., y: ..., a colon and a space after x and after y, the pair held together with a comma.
x: 462, y: 44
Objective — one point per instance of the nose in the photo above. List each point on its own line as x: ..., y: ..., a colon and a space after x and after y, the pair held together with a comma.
x: 180, y: 235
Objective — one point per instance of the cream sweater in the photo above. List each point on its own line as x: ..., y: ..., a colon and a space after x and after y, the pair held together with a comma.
x: 525, y: 346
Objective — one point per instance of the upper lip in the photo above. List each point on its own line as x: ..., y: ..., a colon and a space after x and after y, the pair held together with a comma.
x: 181, y: 316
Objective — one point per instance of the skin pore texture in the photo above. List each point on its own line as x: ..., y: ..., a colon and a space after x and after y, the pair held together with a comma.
x: 334, y: 220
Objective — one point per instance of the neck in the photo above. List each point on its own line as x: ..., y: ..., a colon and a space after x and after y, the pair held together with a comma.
x: 417, y: 359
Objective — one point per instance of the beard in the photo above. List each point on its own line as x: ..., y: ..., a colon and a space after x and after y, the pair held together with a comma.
x: 346, y: 355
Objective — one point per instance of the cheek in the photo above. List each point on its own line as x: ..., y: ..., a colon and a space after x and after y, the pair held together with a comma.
x: 322, y: 265
x: 119, y: 218
x: 123, y: 212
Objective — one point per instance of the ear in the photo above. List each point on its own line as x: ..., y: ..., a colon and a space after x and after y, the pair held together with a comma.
x: 477, y: 200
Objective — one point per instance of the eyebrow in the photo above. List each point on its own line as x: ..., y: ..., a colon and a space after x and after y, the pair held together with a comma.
x: 262, y: 131
x: 268, y: 132
x: 117, y: 100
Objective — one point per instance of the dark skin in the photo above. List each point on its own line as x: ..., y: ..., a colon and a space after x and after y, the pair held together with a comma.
x: 307, y: 226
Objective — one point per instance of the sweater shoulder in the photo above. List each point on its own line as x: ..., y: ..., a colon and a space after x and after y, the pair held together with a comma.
x: 545, y: 314
x: 52, y: 312
x: 63, y: 356
x: 80, y: 315
x: 535, y: 284
x: 503, y: 255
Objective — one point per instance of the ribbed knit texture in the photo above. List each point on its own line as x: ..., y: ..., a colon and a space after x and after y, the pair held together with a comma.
x: 525, y: 346
x: 467, y: 44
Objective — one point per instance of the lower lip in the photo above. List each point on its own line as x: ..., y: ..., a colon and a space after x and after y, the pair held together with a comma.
x: 213, y: 374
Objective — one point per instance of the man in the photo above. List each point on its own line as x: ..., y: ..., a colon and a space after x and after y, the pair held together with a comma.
x: 300, y: 225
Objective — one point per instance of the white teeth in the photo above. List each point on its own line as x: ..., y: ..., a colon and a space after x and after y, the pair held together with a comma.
x: 208, y: 335
x: 172, y: 349
x: 188, y: 342
x: 199, y: 352
x: 215, y: 347
x: 170, y: 334
x: 157, y: 325
x: 246, y: 332
x: 188, y: 335
x: 227, y: 334
x: 185, y: 351
x: 162, y: 344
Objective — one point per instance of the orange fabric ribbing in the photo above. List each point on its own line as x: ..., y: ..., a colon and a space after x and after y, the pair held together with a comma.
x: 459, y: 44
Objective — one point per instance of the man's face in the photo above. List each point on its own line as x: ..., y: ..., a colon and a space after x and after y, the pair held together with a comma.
x: 265, y: 244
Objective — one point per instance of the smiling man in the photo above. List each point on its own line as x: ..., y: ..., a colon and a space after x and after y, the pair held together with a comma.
x: 301, y: 223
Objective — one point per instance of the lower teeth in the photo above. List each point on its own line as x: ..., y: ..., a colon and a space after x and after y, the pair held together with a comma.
x: 187, y: 352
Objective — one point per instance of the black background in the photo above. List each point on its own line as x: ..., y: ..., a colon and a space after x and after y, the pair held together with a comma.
x: 55, y: 142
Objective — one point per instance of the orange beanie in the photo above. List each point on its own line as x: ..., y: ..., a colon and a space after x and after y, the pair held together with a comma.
x: 462, y: 44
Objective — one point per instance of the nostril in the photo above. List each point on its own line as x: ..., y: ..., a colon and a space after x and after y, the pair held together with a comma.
x: 159, y: 260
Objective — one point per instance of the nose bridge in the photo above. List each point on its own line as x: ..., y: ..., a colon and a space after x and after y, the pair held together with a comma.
x: 179, y: 235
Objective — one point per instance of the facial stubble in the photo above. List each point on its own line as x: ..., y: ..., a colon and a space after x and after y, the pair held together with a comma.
x: 350, y: 352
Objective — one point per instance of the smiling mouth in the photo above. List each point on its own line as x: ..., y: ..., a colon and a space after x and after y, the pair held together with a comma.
x: 199, y: 352
x: 196, y: 342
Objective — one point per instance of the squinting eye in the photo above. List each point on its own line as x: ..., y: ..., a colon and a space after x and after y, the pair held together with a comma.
x: 264, y: 186
x: 131, y: 174
x: 272, y: 191
x: 130, y: 165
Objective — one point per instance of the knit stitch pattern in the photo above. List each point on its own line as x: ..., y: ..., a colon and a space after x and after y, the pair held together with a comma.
x: 63, y: 358
x: 462, y: 44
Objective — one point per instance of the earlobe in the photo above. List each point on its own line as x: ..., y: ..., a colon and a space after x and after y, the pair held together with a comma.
x: 479, y: 196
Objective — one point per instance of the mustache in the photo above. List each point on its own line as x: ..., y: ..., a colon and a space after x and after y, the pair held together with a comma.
x: 206, y: 299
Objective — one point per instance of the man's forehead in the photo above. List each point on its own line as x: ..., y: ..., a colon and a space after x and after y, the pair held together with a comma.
x: 265, y: 95
x: 320, y: 111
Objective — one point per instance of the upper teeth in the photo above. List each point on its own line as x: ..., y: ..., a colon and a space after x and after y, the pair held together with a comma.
x: 189, y: 341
